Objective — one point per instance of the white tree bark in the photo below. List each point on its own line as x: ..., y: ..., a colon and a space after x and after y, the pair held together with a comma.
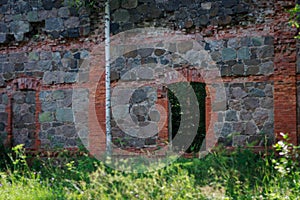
x: 107, y: 80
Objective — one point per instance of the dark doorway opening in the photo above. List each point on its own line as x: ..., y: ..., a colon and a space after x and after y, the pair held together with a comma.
x: 176, y: 113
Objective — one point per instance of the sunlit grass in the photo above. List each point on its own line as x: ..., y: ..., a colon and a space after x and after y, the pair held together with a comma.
x: 240, y: 174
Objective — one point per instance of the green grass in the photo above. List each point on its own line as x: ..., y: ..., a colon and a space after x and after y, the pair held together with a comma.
x: 240, y: 174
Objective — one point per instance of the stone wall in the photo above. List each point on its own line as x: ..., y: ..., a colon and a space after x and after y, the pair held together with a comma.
x: 55, y: 67
x: 243, y: 56
x: 23, y: 126
x: 45, y: 43
x: 24, y: 20
x: 249, y: 117
x: 191, y: 15
x: 57, y: 120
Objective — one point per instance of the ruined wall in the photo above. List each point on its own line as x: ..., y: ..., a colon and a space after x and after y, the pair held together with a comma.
x: 45, y: 43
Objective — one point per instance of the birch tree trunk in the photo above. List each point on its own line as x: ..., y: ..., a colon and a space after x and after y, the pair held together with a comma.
x: 107, y: 80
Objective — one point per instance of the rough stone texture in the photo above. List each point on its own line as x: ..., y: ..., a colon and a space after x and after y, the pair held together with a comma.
x: 18, y: 28
x: 246, y: 56
x: 57, y: 120
x: 141, y: 113
x: 249, y: 114
x: 189, y: 15
x: 3, y: 117
x: 24, y: 127
x: 242, y: 37
x: 55, y: 18
x: 52, y: 67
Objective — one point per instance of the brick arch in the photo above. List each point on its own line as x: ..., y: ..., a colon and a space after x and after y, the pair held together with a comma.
x: 23, y: 85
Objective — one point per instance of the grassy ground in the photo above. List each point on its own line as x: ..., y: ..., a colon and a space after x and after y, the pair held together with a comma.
x: 238, y: 175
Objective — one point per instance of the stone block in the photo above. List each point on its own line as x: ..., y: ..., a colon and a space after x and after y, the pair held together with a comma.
x: 252, y: 70
x: 251, y: 103
x: 206, y: 5
x: 238, y: 69
x: 30, y: 66
x: 229, y: 3
x: 48, y: 105
x: 234, y: 104
x: 64, y: 115
x: 63, y: 12
x: 219, y: 106
x: 216, y: 56
x: 46, y: 55
x: 139, y: 96
x: 224, y: 20
x: 18, y: 57
x: 237, y: 91
x: 243, y: 53
x: 3, y: 117
x: 260, y: 116
x: 129, y: 4
x: 145, y: 73
x: 184, y: 47
x: 202, y: 20
x: 46, y: 117
x: 257, y: 41
x: 121, y: 15
x: 268, y: 129
x: 238, y: 127
x: 254, y: 92
x: 32, y: 16
x: 33, y: 56
x: 266, y: 68
x: 69, y: 131
x: 228, y: 54
x: 50, y: 78
x: 226, y: 70
x: 58, y: 94
x: 54, y: 24
x: 45, y: 65
x: 231, y: 115
x: 233, y: 43
x: 267, y: 103
x: 266, y: 52
x: 70, y: 77
x: 251, y: 128
x: 19, y: 27
x: 252, y: 62
x: 145, y: 52
x: 30, y: 97
x: 8, y: 67
x: 114, y: 4
x: 72, y: 22
x: 226, y: 129
x: 3, y: 28
x: 246, y: 41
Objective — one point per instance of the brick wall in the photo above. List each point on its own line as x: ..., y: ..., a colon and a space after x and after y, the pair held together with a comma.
x: 52, y: 69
